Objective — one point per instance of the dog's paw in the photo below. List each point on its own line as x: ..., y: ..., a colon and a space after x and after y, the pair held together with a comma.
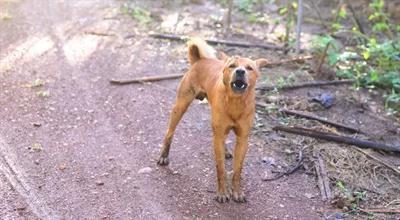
x: 163, y: 161
x: 239, y: 197
x: 222, y: 197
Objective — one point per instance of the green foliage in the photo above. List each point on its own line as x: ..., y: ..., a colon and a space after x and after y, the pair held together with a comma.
x: 321, y: 42
x: 340, y: 15
x: 373, y: 63
x: 244, y: 5
x: 141, y: 15
x: 43, y: 94
x: 352, y: 197
x: 379, y: 19
x: 288, y: 12
x: 37, y: 83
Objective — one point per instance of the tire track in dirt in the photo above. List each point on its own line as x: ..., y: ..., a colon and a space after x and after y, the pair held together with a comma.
x: 16, y: 177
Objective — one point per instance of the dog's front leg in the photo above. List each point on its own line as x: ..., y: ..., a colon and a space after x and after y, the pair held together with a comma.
x: 219, y: 153
x: 238, y: 158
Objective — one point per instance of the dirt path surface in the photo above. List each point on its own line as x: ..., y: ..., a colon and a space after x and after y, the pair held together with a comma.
x: 73, y: 147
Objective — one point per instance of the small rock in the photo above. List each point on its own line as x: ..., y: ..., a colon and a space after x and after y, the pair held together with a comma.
x: 62, y: 167
x: 145, y: 170
x: 36, y: 124
x: 99, y: 183
x: 325, y: 99
x: 269, y: 161
x: 37, y: 147
x: 36, y: 162
x: 339, y: 216
x: 309, y: 195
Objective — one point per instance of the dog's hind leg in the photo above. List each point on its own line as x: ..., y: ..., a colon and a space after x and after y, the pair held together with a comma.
x: 185, y: 96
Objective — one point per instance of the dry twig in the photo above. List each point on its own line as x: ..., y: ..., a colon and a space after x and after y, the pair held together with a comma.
x: 299, y: 163
x: 378, y: 160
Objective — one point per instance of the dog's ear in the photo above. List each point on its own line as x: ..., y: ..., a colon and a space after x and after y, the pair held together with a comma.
x: 222, y: 56
x: 262, y: 62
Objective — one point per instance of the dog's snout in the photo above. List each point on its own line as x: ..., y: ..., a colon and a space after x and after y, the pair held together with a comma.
x: 240, y: 72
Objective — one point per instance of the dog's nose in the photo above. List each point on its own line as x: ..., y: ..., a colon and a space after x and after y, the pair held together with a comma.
x: 240, y: 72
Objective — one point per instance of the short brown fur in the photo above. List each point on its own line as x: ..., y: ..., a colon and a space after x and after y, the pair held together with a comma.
x: 232, y: 108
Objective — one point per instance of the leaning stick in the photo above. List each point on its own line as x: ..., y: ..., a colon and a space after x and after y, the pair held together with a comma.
x: 355, y: 17
x: 337, y: 138
x: 146, y: 79
x: 322, y: 59
x: 213, y: 41
x: 307, y: 84
x: 298, y: 25
x: 316, y: 118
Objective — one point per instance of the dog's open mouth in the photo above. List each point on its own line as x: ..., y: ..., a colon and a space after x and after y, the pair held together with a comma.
x: 239, y: 85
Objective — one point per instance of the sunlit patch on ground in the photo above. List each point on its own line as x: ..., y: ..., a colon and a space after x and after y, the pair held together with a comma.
x: 79, y: 48
x: 24, y: 52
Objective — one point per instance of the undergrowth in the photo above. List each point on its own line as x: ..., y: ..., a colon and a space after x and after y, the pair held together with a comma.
x: 374, y: 62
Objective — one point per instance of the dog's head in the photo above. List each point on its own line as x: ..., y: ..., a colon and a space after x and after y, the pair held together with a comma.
x: 240, y: 74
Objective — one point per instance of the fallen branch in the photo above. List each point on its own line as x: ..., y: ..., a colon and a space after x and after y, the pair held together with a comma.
x: 382, y: 210
x: 324, y: 176
x: 212, y: 41
x: 290, y: 60
x: 316, y: 118
x: 307, y: 84
x: 290, y: 171
x: 146, y: 79
x: 320, y: 181
x: 179, y: 75
x: 337, y: 138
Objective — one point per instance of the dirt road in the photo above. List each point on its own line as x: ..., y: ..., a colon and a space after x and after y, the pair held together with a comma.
x: 73, y: 146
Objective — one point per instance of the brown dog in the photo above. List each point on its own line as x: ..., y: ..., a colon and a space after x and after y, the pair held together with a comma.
x: 229, y: 86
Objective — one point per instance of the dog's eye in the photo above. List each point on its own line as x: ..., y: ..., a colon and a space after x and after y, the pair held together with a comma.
x: 249, y: 68
x: 232, y: 65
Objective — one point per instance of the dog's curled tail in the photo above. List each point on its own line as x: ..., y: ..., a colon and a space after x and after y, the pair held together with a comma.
x: 199, y: 49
